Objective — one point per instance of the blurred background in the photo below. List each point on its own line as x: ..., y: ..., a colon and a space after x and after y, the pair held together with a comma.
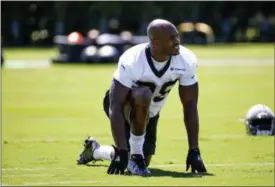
x: 36, y: 23
x: 123, y: 24
x: 120, y: 25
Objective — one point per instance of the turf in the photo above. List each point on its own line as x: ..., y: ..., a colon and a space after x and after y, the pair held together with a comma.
x: 240, y: 50
x: 46, y: 114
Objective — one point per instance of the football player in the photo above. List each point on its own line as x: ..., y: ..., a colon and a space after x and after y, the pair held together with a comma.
x: 141, y: 83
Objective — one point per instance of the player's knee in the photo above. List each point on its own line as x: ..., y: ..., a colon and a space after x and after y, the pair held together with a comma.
x: 142, y: 96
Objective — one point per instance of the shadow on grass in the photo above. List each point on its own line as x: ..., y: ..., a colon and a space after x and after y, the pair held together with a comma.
x: 97, y: 165
x: 156, y: 172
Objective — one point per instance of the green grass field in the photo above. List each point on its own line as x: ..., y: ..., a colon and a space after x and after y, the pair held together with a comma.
x: 47, y: 113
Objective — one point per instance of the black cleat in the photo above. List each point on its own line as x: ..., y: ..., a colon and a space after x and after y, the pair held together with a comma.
x: 90, y: 144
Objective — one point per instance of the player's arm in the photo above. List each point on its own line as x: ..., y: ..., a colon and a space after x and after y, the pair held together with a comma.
x: 189, y: 99
x: 189, y: 93
x: 118, y: 95
x: 121, y: 85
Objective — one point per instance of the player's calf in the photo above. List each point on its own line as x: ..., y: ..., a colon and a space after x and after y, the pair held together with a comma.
x: 140, y: 102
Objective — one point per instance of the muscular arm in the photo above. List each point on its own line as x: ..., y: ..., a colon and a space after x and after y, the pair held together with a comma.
x: 118, y: 95
x: 189, y: 99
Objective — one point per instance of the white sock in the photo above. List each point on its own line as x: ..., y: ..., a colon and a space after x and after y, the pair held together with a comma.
x: 136, y: 144
x: 104, y: 152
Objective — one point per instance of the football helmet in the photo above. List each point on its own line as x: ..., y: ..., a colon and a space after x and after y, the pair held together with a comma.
x: 260, y: 120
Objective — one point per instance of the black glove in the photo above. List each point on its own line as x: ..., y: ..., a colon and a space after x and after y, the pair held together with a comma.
x: 119, y: 162
x: 195, y: 161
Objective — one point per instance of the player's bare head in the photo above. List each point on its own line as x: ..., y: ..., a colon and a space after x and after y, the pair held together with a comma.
x: 156, y: 29
x: 164, y: 36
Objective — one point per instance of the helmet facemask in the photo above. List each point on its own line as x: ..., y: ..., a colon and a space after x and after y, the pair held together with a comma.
x: 264, y: 126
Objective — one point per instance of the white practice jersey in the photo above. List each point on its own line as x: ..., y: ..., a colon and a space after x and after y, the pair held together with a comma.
x: 135, y: 68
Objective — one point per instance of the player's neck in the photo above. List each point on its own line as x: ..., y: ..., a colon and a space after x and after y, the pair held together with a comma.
x: 158, y: 56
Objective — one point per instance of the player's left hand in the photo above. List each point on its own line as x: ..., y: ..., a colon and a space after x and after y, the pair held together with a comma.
x: 195, y: 161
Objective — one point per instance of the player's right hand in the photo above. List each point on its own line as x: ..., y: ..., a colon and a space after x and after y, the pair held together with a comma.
x: 119, y: 162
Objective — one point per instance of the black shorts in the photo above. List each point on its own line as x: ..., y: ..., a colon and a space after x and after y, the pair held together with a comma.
x: 149, y: 145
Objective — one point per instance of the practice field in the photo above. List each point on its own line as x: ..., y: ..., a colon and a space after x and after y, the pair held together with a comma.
x: 48, y: 112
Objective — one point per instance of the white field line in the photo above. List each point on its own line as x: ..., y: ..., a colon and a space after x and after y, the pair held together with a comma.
x: 67, y: 182
x: 98, y: 182
x: 33, y: 175
x: 153, y: 165
x: 80, y: 141
x: 236, y: 62
x: 218, y: 165
x: 22, y: 64
x: 180, y: 116
x: 215, y: 136
x: 31, y: 169
x: 51, y: 140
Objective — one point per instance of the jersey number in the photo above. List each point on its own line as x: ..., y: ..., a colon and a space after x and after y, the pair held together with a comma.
x: 163, y: 92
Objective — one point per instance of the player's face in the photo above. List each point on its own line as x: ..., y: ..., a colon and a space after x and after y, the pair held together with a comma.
x: 170, y: 42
